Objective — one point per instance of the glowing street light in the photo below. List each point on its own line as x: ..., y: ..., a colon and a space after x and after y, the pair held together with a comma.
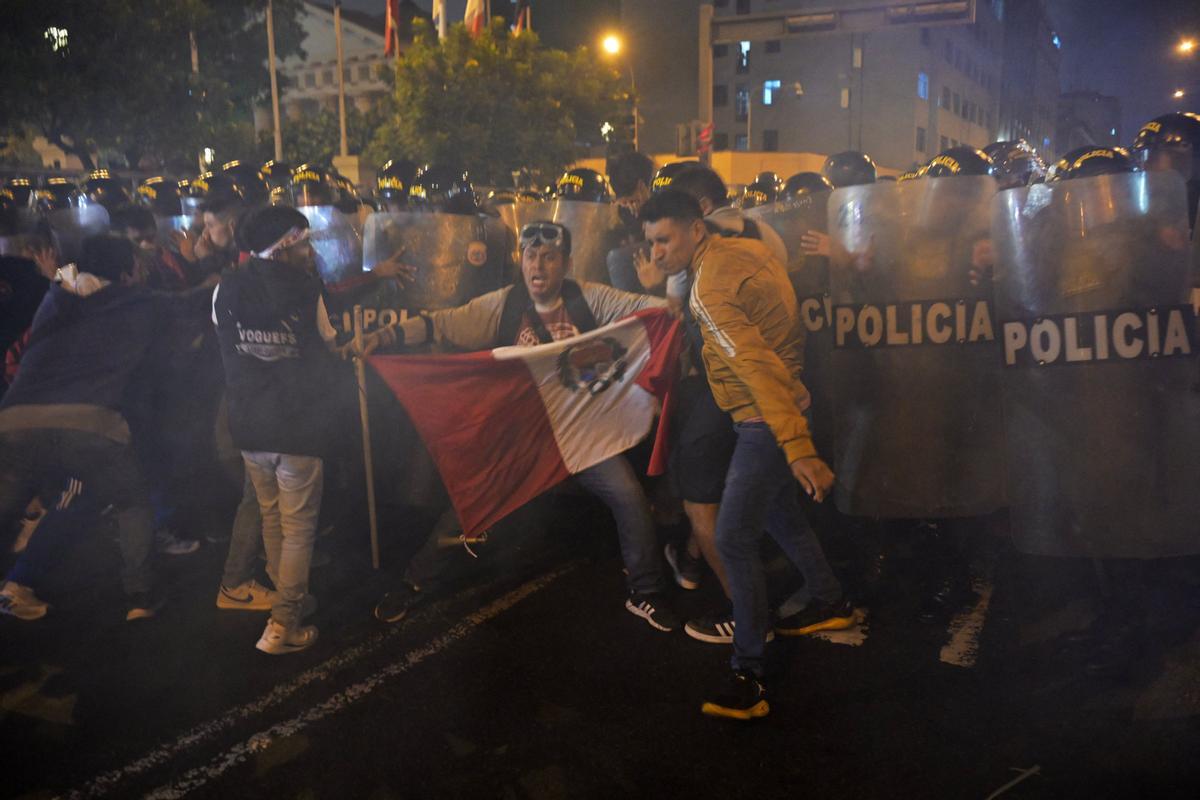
x: 611, y: 44
x: 1186, y: 47
x: 1178, y: 95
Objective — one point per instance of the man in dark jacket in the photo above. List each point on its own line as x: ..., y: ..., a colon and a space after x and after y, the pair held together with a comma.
x: 64, y: 415
x: 275, y: 340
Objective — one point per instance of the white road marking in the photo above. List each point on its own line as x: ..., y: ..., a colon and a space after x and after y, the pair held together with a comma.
x: 962, y: 649
x: 105, y: 783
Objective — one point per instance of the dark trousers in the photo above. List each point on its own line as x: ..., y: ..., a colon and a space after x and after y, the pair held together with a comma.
x: 41, y: 461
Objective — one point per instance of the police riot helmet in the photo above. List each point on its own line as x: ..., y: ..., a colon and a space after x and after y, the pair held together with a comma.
x: 276, y: 173
x: 106, y: 189
x: 961, y: 160
x: 58, y: 193
x: 1015, y: 163
x: 21, y: 190
x: 394, y: 180
x: 249, y: 180
x: 1092, y: 160
x: 345, y: 194
x: 583, y: 184
x: 311, y: 185
x: 759, y: 193
x: 849, y: 168
x: 444, y: 188
x: 160, y: 196
x: 769, y: 177
x: 802, y: 184
x: 667, y: 173
x: 1174, y: 139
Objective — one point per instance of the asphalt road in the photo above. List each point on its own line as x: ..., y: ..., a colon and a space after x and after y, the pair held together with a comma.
x: 530, y: 680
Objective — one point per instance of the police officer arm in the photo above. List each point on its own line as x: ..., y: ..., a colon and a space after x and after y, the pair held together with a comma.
x: 737, y: 343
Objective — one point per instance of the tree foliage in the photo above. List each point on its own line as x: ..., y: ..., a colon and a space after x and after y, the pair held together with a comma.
x: 117, y: 74
x: 497, y: 103
x: 316, y: 138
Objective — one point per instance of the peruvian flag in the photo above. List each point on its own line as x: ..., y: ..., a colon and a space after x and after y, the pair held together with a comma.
x: 391, y: 28
x: 474, y: 18
x: 505, y: 425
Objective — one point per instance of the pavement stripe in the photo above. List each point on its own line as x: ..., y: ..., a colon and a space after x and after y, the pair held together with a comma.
x: 199, y: 776
x: 107, y: 782
x: 963, y: 647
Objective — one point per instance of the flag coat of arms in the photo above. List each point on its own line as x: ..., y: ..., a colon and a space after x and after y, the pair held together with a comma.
x: 505, y: 425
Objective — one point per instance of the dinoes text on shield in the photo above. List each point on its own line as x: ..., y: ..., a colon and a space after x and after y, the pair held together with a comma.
x: 1118, y: 335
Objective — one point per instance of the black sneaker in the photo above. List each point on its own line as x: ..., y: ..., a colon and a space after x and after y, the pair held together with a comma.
x: 715, y: 629
x: 143, y: 605
x: 653, y: 609
x: 742, y: 697
x: 817, y: 616
x: 687, y: 568
x: 395, y: 605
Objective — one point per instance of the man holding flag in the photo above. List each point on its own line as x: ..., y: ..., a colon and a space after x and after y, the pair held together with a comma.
x: 602, y: 378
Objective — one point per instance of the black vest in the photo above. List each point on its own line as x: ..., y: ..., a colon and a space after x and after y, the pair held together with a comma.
x: 278, y: 371
x: 518, y: 307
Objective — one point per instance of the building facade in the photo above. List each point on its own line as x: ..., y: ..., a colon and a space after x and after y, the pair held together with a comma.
x: 900, y: 95
x: 1030, y: 88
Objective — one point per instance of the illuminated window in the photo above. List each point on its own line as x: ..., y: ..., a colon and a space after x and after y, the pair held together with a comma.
x: 770, y: 90
x: 845, y: 98
x: 922, y: 86
x: 741, y: 142
x: 743, y: 64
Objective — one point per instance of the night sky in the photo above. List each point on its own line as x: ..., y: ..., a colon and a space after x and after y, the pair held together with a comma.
x: 1118, y: 47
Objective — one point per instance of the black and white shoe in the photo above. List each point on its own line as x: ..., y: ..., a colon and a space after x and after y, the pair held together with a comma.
x: 653, y: 609
x: 715, y: 629
x: 687, y: 568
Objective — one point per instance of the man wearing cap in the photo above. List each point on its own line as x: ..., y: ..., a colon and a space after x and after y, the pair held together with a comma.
x: 275, y: 340
x: 543, y: 307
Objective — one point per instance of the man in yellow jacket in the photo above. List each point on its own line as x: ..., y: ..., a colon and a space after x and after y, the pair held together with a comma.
x: 753, y: 350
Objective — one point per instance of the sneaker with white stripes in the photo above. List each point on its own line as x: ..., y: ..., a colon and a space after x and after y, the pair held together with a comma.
x: 715, y: 629
x: 653, y: 609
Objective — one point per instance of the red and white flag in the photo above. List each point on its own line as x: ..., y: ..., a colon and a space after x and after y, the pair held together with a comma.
x: 474, y: 18
x: 505, y: 425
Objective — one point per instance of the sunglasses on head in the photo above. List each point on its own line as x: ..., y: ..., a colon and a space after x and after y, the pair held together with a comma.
x: 539, y: 233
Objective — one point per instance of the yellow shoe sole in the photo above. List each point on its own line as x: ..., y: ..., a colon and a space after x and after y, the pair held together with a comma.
x: 831, y: 624
x: 756, y: 711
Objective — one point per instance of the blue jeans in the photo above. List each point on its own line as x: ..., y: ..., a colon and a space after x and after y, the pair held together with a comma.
x: 245, y: 540
x: 288, y: 488
x: 760, y: 494
x: 613, y: 481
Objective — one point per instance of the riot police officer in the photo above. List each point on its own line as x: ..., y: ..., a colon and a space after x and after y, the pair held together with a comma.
x: 583, y: 184
x: 104, y: 188
x: 393, y: 182
x: 849, y: 168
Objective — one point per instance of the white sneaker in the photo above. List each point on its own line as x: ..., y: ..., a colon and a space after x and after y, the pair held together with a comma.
x: 20, y: 602
x: 278, y: 640
x: 250, y: 596
x: 169, y: 544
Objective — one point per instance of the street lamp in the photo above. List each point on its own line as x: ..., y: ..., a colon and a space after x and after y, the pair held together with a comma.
x: 1178, y: 95
x: 611, y: 44
x: 1186, y: 47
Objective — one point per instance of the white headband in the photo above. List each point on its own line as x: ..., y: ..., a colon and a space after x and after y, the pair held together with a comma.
x: 294, y: 236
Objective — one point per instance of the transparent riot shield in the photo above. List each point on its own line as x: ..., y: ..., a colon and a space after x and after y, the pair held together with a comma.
x: 338, y: 246
x: 916, y: 372
x: 166, y: 227
x: 70, y: 226
x: 592, y: 227
x: 450, y: 252
x: 809, y: 275
x: 1099, y: 394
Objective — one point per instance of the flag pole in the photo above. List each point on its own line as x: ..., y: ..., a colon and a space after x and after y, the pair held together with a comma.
x: 360, y: 371
x: 341, y: 68
x: 274, y: 80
